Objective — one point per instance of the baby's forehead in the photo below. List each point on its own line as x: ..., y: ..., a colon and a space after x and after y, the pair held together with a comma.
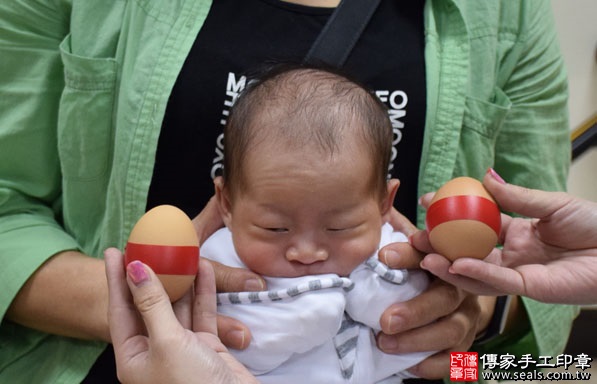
x: 286, y: 126
x: 307, y: 163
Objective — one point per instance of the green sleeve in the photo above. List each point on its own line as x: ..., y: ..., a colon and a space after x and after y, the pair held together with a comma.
x: 533, y: 146
x: 31, y: 82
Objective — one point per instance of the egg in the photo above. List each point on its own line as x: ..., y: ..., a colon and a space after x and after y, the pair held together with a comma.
x: 164, y: 238
x: 463, y: 220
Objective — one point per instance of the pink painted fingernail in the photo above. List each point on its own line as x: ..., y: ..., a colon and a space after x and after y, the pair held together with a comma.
x: 496, y: 176
x: 137, y: 272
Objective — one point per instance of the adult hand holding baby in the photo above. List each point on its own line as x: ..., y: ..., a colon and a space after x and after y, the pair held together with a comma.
x: 443, y: 318
x: 233, y: 333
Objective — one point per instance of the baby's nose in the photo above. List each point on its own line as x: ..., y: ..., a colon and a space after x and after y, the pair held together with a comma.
x: 306, y: 254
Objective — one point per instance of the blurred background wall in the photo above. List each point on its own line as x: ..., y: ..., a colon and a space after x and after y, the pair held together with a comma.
x: 576, y: 21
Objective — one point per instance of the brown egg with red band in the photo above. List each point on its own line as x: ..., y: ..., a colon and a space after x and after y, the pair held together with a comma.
x: 164, y: 238
x: 463, y: 220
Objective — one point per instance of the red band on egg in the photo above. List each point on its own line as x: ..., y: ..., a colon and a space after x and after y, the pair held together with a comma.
x: 465, y: 207
x: 165, y: 259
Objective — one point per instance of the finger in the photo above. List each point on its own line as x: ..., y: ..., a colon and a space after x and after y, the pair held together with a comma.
x: 205, y: 318
x: 151, y: 301
x: 438, y: 265
x: 400, y: 223
x: 122, y: 315
x: 400, y: 256
x: 208, y: 221
x: 439, y: 300
x: 229, y: 279
x: 183, y: 309
x: 457, y: 330
x: 425, y: 200
x: 506, y: 221
x: 442, y: 268
x: 524, y: 201
x: 442, y: 334
x: 503, y: 280
x: 420, y: 240
x: 434, y: 367
x: 233, y: 333
x: 205, y: 307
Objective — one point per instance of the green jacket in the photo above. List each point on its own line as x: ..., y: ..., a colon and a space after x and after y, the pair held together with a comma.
x: 83, y: 90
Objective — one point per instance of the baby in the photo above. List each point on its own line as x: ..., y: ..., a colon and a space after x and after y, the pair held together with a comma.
x: 306, y: 202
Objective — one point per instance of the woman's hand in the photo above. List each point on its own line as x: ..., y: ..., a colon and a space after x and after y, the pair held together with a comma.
x: 155, y: 347
x: 552, y: 258
x: 233, y: 333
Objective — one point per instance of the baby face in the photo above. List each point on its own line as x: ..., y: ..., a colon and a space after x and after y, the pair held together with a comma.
x: 305, y: 215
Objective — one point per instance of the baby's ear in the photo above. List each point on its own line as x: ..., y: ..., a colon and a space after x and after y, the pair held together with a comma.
x: 388, y: 201
x: 223, y: 200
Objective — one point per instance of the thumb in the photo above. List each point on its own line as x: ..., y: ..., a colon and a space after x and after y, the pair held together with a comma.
x: 151, y: 301
x: 231, y: 279
x: 528, y: 202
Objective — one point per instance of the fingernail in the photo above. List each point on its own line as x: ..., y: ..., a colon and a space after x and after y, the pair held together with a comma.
x: 236, y: 338
x: 387, y: 343
x: 423, y: 264
x: 390, y: 257
x: 415, y: 371
x: 254, y: 284
x: 394, y: 324
x: 496, y: 176
x: 137, y: 272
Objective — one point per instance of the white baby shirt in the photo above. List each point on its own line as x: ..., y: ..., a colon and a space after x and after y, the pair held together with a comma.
x: 320, y: 328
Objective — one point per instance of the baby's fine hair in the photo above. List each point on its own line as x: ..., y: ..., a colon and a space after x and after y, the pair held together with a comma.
x: 306, y: 106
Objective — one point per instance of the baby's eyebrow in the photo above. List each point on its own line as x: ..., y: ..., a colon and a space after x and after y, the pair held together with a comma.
x: 274, y: 208
x: 345, y: 209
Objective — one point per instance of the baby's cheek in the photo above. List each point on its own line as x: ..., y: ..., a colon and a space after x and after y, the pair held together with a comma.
x: 358, y: 251
x: 260, y: 258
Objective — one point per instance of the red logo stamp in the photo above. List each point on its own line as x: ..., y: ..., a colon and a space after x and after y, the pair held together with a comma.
x: 464, y: 366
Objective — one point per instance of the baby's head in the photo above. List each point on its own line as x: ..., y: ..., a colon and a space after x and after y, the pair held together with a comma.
x: 305, y: 189
x: 313, y: 110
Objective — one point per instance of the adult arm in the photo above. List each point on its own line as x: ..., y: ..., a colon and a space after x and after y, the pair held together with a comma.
x: 45, y: 279
x: 36, y: 290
